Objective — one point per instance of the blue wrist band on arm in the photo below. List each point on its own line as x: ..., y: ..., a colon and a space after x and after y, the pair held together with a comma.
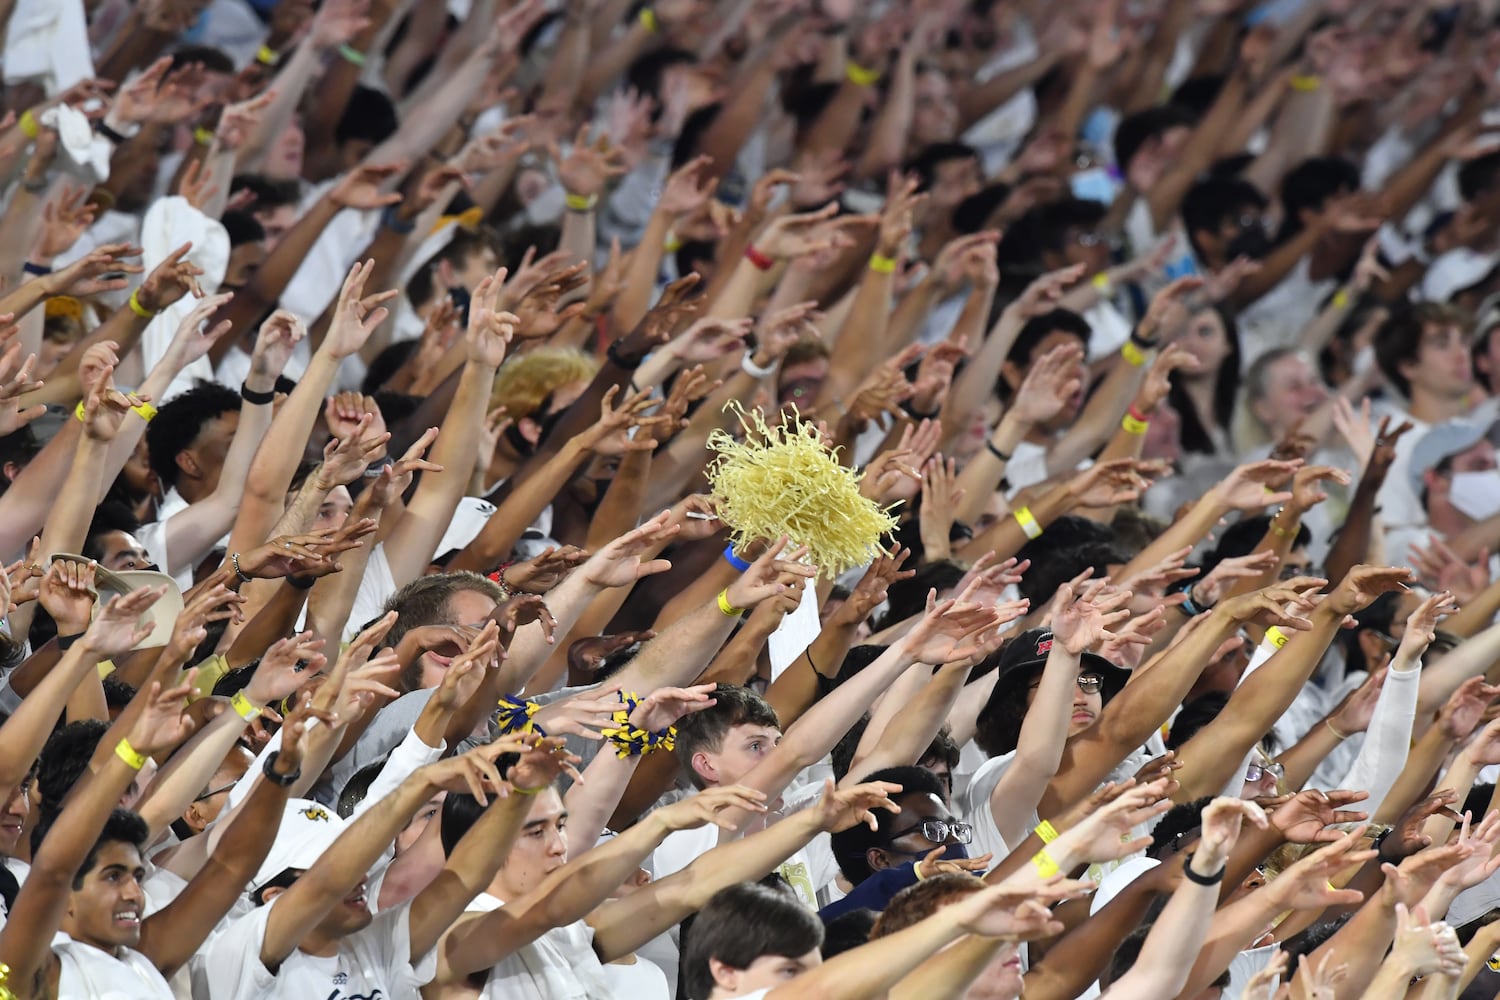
x: 734, y: 560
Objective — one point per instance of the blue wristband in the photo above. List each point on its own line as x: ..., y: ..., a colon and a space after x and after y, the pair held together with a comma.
x: 734, y: 560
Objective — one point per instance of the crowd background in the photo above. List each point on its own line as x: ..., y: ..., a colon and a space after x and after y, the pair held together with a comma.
x: 381, y: 620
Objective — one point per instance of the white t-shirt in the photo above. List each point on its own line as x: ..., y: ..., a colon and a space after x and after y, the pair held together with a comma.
x: 974, y: 807
x: 90, y: 973
x: 640, y: 980
x: 374, y: 962
x: 559, y: 965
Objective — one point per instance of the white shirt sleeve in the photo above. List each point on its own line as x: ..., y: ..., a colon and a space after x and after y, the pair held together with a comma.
x: 1387, y: 740
x: 230, y: 965
x: 406, y: 758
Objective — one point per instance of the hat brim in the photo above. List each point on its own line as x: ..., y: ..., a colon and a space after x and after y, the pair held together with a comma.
x: 1006, y: 687
x: 161, y: 616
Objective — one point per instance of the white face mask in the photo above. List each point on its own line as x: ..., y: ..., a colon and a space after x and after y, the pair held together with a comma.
x: 1476, y: 494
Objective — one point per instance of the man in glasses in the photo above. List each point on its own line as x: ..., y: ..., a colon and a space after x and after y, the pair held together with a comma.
x: 880, y: 862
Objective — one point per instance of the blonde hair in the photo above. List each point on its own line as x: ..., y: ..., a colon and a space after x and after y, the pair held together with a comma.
x: 525, y: 381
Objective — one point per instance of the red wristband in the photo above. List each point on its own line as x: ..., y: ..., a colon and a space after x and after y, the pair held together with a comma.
x: 760, y: 260
x: 1135, y: 412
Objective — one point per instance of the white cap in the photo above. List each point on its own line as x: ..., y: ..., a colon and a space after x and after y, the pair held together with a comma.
x: 1112, y: 884
x: 468, y: 521
x: 307, y: 830
x: 161, y: 616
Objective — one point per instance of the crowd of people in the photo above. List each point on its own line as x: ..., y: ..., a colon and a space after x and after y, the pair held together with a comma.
x: 768, y: 499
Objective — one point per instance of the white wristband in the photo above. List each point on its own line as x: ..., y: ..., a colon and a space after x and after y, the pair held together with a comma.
x: 755, y: 371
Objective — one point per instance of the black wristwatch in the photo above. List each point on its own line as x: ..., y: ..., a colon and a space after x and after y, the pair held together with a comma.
x: 284, y: 780
x: 1189, y: 607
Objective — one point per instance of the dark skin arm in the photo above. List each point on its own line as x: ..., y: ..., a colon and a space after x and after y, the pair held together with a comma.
x: 171, y: 936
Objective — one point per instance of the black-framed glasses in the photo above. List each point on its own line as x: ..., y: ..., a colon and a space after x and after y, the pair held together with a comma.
x: 939, y: 831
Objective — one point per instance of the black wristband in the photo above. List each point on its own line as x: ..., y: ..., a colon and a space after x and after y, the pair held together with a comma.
x: 110, y: 134
x: 1378, y: 844
x: 1141, y: 342
x: 1196, y: 879
x: 67, y: 641
x: 301, y: 582
x: 1002, y: 456
x: 40, y: 270
x: 284, y: 780
x: 255, y: 398
x: 613, y: 354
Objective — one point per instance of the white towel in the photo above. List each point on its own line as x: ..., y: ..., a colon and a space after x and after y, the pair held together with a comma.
x: 169, y: 224
x: 47, y: 42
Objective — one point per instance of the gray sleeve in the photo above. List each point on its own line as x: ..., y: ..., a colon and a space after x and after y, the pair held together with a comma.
x: 384, y: 734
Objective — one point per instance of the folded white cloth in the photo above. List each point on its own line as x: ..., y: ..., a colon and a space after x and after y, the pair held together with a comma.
x: 47, y: 42
x: 169, y: 224
x: 86, y: 155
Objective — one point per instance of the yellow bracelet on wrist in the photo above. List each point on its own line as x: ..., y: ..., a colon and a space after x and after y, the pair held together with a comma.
x: 881, y: 264
x: 1130, y: 425
x: 649, y: 20
x: 1133, y: 355
x: 135, y: 306
x: 29, y: 127
x: 1045, y: 865
x: 244, y: 707
x: 860, y: 76
x: 133, y: 758
x: 1276, y: 637
x: 145, y: 411
x: 728, y: 609
x: 581, y: 202
x: 1028, y: 522
x: 1047, y: 831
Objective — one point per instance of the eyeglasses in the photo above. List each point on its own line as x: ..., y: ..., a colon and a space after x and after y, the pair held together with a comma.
x: 939, y: 831
x: 1255, y: 772
x: 214, y: 791
x: 1087, y: 683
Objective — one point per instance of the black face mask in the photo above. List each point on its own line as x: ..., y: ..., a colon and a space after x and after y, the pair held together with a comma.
x: 1252, y: 242
x: 518, y: 440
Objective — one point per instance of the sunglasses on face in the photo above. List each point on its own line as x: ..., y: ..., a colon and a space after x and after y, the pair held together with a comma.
x: 1087, y: 683
x: 939, y: 831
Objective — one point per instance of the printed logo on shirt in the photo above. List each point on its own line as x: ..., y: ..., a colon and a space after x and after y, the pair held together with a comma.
x: 317, y: 814
x: 375, y: 994
x: 800, y: 879
x: 1494, y: 963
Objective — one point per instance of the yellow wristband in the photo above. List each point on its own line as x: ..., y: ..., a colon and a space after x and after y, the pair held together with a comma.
x: 881, y: 264
x: 649, y: 20
x: 29, y: 127
x: 529, y: 791
x: 266, y: 56
x: 726, y: 607
x: 860, y: 76
x: 1342, y: 298
x: 1132, y: 354
x: 203, y: 136
x: 135, y: 306
x: 1307, y: 83
x: 1045, y: 866
x: 80, y: 412
x: 1276, y: 637
x: 1130, y: 425
x: 145, y: 411
x: 134, y: 759
x: 1046, y: 831
x: 1028, y: 522
x: 581, y: 202
x: 672, y: 243
x: 244, y: 707
x: 1103, y: 285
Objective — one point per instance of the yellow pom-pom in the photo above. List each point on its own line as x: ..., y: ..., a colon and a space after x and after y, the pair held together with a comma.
x: 785, y: 481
